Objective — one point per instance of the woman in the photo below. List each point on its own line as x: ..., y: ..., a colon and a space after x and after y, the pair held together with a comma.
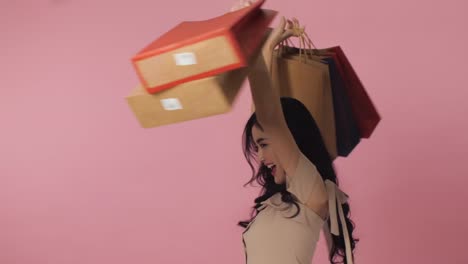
x: 300, y: 195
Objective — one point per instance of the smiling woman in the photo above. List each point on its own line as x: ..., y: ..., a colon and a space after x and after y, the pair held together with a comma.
x: 266, y: 155
x: 295, y: 169
x: 311, y: 189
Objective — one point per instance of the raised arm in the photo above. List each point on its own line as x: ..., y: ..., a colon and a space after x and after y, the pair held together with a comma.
x: 268, y: 105
x: 304, y: 181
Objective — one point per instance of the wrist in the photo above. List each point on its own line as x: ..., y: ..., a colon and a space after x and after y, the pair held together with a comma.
x: 262, y: 63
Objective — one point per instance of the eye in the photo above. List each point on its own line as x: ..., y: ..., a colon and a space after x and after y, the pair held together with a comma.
x: 255, y: 148
x: 262, y: 145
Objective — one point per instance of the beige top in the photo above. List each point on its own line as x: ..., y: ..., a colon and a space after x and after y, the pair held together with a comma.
x: 271, y: 238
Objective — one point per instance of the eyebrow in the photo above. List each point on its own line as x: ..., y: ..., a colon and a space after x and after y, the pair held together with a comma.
x: 260, y: 140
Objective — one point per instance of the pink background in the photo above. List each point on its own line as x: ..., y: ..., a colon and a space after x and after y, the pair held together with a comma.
x: 81, y: 182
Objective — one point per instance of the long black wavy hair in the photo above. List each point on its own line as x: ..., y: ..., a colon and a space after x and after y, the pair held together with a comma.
x: 309, y: 140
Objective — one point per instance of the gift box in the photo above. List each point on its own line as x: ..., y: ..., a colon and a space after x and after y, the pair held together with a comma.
x: 198, y: 49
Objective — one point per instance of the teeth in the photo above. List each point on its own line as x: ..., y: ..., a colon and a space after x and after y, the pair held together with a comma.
x: 271, y: 166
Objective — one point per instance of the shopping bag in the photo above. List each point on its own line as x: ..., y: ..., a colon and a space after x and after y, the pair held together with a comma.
x: 347, y: 131
x: 192, y: 100
x: 187, y: 101
x: 198, y: 49
x: 311, y: 85
x: 364, y: 111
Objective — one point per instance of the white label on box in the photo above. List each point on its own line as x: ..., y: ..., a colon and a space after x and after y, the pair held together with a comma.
x: 185, y: 58
x: 171, y: 104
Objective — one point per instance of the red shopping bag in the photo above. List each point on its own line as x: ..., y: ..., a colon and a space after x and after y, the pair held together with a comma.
x: 199, y: 49
x: 364, y: 111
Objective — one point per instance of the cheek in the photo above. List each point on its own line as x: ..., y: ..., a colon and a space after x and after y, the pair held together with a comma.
x: 268, y: 153
x: 272, y: 153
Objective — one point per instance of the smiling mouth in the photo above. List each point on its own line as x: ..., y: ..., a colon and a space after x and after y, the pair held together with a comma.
x: 272, y: 169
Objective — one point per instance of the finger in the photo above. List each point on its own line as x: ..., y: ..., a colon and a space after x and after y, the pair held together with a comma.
x: 282, y: 22
x: 282, y: 38
x: 278, y: 34
x: 287, y: 33
x: 248, y: 3
x: 278, y: 29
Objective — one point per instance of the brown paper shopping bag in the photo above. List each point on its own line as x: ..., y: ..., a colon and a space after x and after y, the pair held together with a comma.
x: 188, y: 101
x: 346, y: 125
x: 358, y: 113
x: 347, y: 130
x: 309, y: 84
